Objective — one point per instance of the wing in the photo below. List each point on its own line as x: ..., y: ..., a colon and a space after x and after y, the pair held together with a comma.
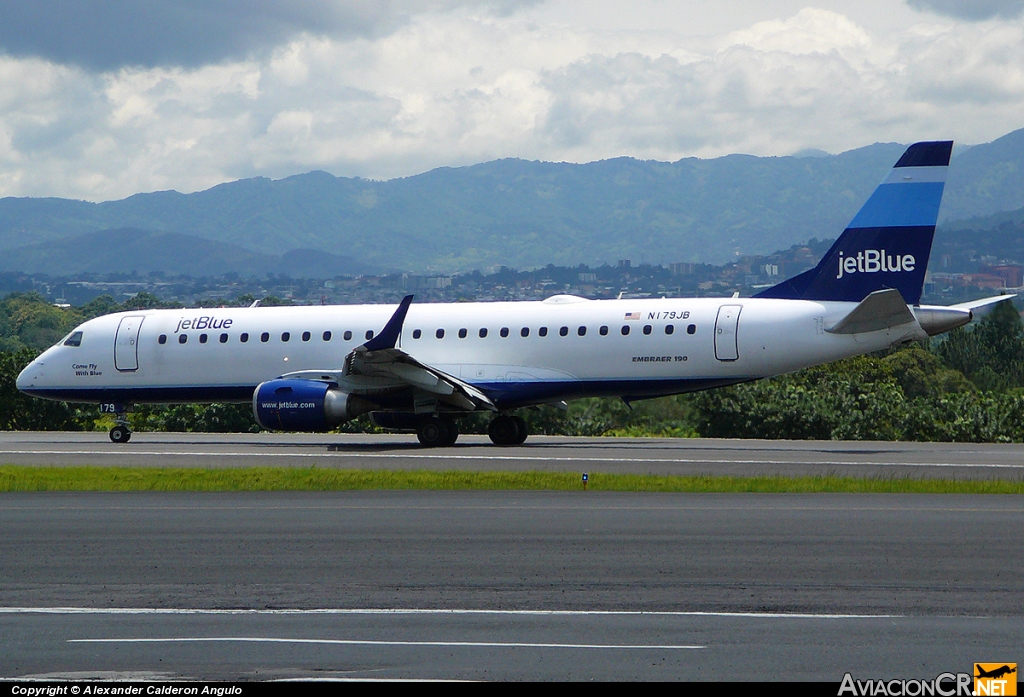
x: 378, y: 367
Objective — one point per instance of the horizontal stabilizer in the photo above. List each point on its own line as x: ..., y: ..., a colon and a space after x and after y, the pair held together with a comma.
x: 984, y: 302
x: 880, y: 310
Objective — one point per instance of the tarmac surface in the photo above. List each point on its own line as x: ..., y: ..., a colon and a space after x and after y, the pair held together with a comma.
x: 683, y: 456
x: 501, y: 585
x: 385, y: 585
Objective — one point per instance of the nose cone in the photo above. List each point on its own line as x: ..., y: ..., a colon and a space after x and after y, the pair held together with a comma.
x: 30, y: 376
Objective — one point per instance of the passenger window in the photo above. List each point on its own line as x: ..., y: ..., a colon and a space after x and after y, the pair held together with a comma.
x: 504, y: 332
x: 483, y: 332
x: 265, y: 337
x: 74, y: 340
x: 669, y: 329
x: 692, y: 329
x: 347, y: 336
x: 162, y: 339
x: 244, y: 337
x: 416, y: 333
x: 564, y: 331
x: 306, y: 336
x: 604, y: 330
x: 369, y: 334
x: 524, y: 332
x: 625, y: 330
x: 203, y: 338
x: 647, y: 329
x: 582, y: 331
x: 223, y: 338
x: 543, y: 331
x: 182, y: 338
x: 285, y: 336
x: 462, y: 333
x: 439, y: 333
x: 327, y: 336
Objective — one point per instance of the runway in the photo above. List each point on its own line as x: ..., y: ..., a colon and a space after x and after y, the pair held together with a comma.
x: 546, y: 453
x: 416, y: 646
x: 524, y: 585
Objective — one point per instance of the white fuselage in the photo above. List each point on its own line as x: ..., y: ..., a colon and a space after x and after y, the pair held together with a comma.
x: 565, y: 353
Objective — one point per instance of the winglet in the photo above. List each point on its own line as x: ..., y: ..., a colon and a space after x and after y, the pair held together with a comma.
x: 388, y: 336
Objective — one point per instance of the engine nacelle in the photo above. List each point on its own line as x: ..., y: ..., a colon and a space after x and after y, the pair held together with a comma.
x: 304, y: 405
x: 939, y: 320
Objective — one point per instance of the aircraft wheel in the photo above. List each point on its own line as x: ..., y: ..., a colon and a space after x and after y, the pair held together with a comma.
x: 435, y: 432
x: 504, y: 430
x: 523, y: 430
x: 453, y: 431
x: 120, y: 434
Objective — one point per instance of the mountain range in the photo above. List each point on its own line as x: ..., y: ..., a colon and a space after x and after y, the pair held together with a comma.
x: 506, y: 212
x: 144, y: 251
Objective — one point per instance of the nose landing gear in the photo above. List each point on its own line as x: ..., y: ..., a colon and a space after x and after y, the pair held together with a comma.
x: 121, y: 432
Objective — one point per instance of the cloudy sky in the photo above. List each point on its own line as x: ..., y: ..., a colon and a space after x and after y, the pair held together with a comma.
x: 100, y: 99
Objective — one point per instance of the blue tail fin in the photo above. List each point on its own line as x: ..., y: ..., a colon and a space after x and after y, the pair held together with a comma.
x: 888, y: 242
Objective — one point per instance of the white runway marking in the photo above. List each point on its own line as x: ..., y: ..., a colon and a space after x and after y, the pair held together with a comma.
x: 370, y: 642
x: 416, y: 611
x: 511, y: 458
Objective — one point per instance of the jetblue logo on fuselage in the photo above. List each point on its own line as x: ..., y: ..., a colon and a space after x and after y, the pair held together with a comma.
x: 874, y: 261
x: 203, y: 323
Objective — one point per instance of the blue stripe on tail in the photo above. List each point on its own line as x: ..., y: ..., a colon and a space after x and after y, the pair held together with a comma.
x: 888, y: 242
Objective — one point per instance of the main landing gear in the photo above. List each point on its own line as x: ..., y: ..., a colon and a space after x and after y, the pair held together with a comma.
x: 437, y: 431
x: 440, y: 430
x: 508, y: 430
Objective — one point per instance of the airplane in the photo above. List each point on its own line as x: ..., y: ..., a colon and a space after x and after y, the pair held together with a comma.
x: 420, y: 367
x: 996, y: 673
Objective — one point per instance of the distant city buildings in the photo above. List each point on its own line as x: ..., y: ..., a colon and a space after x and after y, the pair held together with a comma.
x: 953, y: 277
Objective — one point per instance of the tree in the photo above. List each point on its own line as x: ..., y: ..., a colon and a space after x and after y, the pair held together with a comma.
x: 19, y: 412
x: 991, y: 353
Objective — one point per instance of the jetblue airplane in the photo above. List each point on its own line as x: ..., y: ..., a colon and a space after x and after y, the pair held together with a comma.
x: 421, y: 367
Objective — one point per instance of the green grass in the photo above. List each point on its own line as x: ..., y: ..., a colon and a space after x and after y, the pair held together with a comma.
x: 15, y: 478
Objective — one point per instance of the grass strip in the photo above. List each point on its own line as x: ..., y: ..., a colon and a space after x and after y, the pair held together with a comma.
x: 18, y: 478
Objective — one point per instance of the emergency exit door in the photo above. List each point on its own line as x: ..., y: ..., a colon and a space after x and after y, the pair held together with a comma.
x: 727, y: 346
x: 126, y: 343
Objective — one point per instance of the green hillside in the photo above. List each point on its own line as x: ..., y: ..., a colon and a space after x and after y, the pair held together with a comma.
x: 530, y: 214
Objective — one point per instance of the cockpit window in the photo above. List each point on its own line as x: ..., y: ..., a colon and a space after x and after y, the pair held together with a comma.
x: 74, y: 340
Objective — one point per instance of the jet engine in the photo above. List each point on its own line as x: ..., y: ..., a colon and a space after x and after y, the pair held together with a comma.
x: 938, y: 320
x: 304, y: 405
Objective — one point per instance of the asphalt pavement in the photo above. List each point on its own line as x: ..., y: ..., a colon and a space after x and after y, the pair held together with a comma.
x: 507, y: 585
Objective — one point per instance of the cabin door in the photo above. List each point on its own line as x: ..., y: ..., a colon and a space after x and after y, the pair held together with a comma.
x: 126, y: 344
x: 727, y: 346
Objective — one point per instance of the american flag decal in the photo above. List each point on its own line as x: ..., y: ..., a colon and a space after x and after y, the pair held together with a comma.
x: 632, y: 315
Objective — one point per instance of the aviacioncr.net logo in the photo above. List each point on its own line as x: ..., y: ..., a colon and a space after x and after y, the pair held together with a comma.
x: 995, y: 679
x: 943, y: 685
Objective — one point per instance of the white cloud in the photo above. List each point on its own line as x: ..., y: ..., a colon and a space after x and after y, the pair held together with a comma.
x: 467, y: 84
x: 809, y: 31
